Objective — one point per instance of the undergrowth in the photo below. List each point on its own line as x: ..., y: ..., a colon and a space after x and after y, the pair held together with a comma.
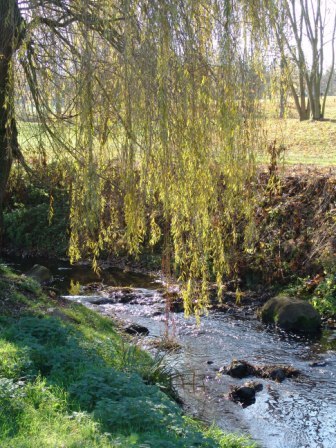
x: 324, y: 297
x: 36, y: 219
x: 28, y: 229
x: 319, y: 290
x: 68, y: 379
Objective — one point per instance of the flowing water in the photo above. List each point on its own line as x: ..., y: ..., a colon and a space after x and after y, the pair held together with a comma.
x: 297, y: 413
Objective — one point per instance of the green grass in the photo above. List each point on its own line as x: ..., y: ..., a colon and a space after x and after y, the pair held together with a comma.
x: 69, y: 379
x: 307, y: 142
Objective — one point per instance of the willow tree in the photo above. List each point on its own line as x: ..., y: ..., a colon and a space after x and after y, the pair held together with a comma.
x: 27, y: 28
x: 10, y: 37
x: 153, y: 124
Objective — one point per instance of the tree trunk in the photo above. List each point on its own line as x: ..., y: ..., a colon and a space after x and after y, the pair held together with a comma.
x: 302, y: 108
x: 10, y: 21
x: 282, y: 104
x: 6, y: 152
x: 316, y: 107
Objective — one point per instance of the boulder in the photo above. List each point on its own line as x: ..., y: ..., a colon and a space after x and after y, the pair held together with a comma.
x: 291, y: 314
x: 40, y: 273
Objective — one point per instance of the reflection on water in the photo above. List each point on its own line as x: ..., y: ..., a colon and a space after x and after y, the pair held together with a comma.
x: 69, y: 278
x: 298, y: 413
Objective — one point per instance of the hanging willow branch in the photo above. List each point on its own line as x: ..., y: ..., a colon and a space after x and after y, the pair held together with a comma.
x: 161, y: 130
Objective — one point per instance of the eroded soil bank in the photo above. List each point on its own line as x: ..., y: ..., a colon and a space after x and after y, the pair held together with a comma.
x: 294, y: 217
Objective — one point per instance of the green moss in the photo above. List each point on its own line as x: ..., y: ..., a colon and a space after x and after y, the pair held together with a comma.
x: 291, y: 314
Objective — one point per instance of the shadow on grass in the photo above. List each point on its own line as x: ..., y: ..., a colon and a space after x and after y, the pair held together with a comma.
x: 57, y: 388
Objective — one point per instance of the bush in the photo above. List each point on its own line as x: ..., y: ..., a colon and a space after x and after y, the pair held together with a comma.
x: 324, y: 298
x: 27, y: 229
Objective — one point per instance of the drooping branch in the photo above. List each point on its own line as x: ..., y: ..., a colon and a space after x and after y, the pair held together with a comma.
x: 162, y: 125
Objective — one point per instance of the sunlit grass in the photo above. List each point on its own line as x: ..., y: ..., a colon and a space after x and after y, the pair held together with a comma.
x: 307, y: 142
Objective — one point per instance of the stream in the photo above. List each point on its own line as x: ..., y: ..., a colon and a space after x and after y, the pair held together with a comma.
x: 297, y: 413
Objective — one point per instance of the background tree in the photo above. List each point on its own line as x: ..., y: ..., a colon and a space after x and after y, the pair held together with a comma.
x: 306, y: 28
x: 325, y: 79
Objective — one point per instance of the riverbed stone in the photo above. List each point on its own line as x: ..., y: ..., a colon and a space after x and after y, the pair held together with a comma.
x: 245, y: 395
x: 40, y: 273
x: 174, y: 300
x: 277, y: 375
x: 136, y: 329
x: 318, y: 364
x: 291, y: 314
x: 239, y: 369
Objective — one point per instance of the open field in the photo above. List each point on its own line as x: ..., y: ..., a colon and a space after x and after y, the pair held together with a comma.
x: 310, y: 143
x: 307, y: 142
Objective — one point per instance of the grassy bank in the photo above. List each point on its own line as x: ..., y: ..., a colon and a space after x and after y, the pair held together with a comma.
x: 69, y: 379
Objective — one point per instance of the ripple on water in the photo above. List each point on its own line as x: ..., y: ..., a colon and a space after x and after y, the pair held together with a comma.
x: 294, y: 414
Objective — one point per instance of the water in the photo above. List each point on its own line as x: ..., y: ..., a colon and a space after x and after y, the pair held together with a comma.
x: 66, y: 275
x: 298, y: 413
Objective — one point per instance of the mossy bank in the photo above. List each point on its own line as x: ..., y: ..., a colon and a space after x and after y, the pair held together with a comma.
x: 69, y: 379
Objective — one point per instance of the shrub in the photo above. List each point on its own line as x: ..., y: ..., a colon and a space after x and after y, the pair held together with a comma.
x: 324, y: 298
x: 27, y: 229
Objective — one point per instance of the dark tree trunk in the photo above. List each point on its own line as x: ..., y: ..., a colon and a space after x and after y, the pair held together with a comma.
x: 300, y: 103
x: 6, y: 152
x: 282, y: 103
x: 10, y: 37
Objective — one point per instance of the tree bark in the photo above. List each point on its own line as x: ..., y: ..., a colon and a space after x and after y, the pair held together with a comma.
x: 10, y: 22
x: 331, y: 69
